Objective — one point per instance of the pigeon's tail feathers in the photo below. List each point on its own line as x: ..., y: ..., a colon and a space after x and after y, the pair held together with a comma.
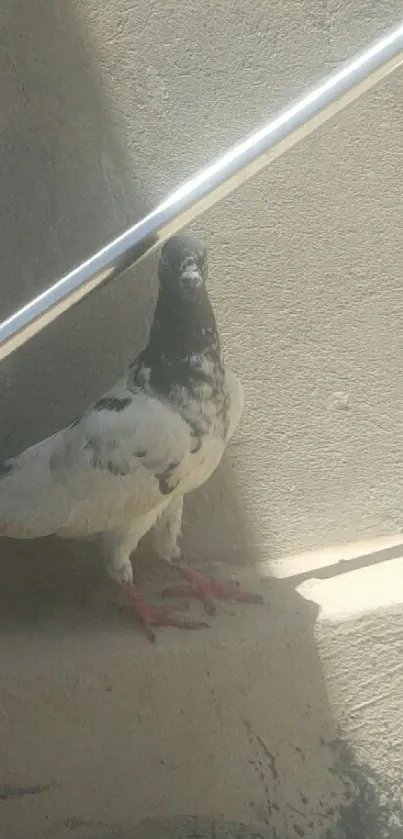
x: 29, y: 495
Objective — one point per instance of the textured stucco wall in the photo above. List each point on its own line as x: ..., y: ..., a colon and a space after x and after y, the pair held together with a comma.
x: 104, y: 107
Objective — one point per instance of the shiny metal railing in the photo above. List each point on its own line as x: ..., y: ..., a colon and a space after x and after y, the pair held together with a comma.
x: 206, y: 188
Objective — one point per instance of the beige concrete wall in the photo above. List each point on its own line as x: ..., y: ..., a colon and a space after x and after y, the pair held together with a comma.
x: 103, y: 108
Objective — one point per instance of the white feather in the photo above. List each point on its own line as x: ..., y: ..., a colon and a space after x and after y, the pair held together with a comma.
x: 54, y: 488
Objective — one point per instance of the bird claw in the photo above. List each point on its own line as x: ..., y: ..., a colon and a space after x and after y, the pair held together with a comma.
x: 205, y: 590
x: 160, y: 616
x: 190, y: 590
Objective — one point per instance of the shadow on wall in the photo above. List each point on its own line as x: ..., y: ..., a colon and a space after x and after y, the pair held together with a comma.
x: 66, y: 188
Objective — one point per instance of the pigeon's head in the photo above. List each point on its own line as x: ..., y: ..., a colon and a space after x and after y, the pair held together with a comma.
x: 183, y: 264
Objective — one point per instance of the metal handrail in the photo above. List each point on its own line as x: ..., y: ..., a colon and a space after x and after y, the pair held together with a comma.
x: 206, y: 188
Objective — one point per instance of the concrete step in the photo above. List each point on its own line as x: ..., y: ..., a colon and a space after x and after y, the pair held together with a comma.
x: 286, y: 717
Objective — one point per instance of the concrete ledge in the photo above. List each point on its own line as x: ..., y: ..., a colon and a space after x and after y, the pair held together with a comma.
x: 221, y: 724
x: 240, y: 723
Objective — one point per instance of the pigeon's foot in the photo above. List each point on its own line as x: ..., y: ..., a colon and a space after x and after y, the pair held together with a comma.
x: 162, y: 616
x: 205, y: 590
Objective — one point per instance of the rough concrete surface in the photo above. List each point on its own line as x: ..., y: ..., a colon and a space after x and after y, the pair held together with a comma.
x: 185, y: 828
x: 243, y: 722
x: 275, y: 716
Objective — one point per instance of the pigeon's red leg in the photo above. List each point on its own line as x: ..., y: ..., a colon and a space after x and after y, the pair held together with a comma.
x: 205, y: 590
x: 150, y: 616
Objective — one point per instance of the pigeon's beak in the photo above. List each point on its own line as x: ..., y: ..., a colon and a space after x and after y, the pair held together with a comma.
x: 191, y: 278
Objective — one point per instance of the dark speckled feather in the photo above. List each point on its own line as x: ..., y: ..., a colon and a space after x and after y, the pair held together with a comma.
x: 182, y: 358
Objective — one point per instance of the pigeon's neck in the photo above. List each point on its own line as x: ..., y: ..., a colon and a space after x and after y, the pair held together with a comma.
x: 183, y: 336
x: 183, y: 326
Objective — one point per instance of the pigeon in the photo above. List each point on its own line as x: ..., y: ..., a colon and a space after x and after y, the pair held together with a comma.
x: 122, y: 468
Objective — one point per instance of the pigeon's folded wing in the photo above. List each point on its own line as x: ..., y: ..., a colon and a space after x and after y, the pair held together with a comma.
x: 123, y: 454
